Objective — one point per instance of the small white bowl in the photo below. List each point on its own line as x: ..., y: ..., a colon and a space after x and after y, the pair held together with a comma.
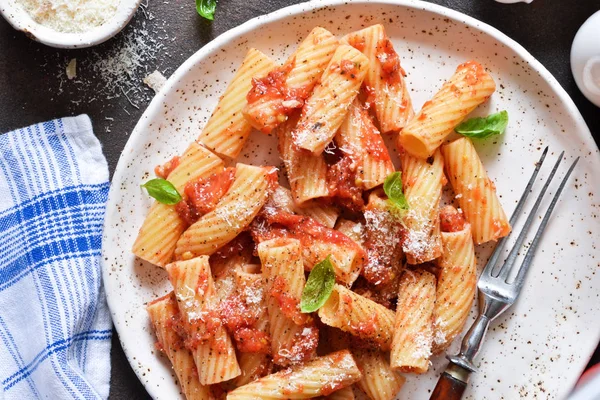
x: 20, y: 19
x: 585, y: 58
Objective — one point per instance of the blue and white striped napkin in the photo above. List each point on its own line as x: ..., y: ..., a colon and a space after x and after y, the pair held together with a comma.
x: 55, y: 327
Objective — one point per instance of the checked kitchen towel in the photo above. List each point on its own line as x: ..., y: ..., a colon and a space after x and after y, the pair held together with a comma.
x: 55, y: 327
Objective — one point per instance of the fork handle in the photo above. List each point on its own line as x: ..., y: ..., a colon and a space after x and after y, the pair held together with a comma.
x: 452, y: 383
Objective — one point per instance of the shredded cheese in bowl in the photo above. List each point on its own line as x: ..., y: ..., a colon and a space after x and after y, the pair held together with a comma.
x: 69, y: 23
x: 70, y: 16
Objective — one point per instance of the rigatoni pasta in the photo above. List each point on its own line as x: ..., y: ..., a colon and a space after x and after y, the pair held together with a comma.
x: 232, y: 215
x: 325, y: 109
x: 413, y: 329
x: 475, y: 191
x: 162, y: 312
x: 306, y: 173
x: 383, y: 237
x: 252, y: 366
x: 282, y: 199
x: 457, y: 280
x: 422, y: 181
x: 227, y: 130
x: 384, y: 82
x: 319, y: 377
x: 275, y: 96
x: 358, y: 316
x: 342, y: 394
x: 379, y: 381
x: 294, y: 335
x: 318, y: 242
x: 360, y: 140
x: 470, y: 86
x: 162, y: 227
x: 205, y: 336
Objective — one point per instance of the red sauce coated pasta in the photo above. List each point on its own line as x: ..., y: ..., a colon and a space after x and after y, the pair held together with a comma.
x: 201, y: 196
x: 163, y: 171
x: 451, y: 220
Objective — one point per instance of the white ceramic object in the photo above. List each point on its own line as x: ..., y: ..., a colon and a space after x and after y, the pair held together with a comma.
x: 539, y: 347
x: 20, y: 19
x: 513, y: 1
x: 585, y: 58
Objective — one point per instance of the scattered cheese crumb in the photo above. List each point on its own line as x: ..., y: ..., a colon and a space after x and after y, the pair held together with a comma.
x: 72, y: 69
x: 155, y: 81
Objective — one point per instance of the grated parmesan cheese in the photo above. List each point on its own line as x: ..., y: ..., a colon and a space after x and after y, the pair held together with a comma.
x: 70, y: 16
x: 155, y: 81
x: 71, y: 69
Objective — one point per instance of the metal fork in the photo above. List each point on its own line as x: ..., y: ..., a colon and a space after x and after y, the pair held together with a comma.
x: 497, y: 292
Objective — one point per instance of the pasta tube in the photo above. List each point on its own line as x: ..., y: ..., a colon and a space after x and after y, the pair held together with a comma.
x: 306, y: 172
x: 274, y: 97
x: 234, y: 212
x: 294, y: 337
x: 162, y: 312
x: 422, y: 181
x: 358, y: 316
x: 206, y: 337
x: 475, y: 191
x: 383, y: 237
x: 163, y: 226
x: 457, y: 280
x: 360, y: 140
x: 384, y: 82
x: 253, y: 366
x: 319, y: 377
x: 227, y: 130
x: 282, y: 199
x: 379, y: 380
x: 325, y: 109
x: 413, y: 336
x: 470, y: 86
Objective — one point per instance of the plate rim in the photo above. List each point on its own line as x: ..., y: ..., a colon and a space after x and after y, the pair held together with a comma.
x: 297, y: 9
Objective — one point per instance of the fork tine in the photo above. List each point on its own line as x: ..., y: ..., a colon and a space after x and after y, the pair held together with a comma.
x: 512, y: 256
x: 515, y: 215
x: 518, y: 282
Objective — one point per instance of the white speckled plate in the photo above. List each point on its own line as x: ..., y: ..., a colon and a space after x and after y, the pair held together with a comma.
x: 539, y: 348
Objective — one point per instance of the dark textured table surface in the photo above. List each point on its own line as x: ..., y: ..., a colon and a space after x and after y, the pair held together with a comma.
x: 163, y: 34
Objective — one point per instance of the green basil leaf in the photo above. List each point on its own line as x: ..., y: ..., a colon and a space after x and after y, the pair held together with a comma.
x: 482, y: 128
x: 206, y: 8
x: 163, y: 191
x: 319, y: 286
x: 393, y: 189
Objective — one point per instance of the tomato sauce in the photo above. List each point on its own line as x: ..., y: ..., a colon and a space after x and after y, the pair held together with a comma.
x: 341, y: 179
x: 370, y: 95
x: 251, y: 340
x: 303, y: 347
x: 368, y: 328
x: 373, y: 142
x: 389, y: 61
x: 451, y: 220
x: 240, y: 321
x: 203, y: 330
x: 348, y: 67
x: 269, y: 87
x: 201, y: 196
x: 163, y: 171
x: 474, y: 73
x: 288, y: 305
x: 280, y: 223
x: 358, y: 42
x: 273, y: 89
